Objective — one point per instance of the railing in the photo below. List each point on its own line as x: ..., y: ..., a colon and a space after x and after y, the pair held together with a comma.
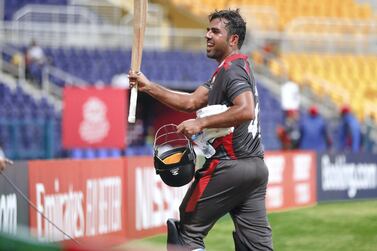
x: 49, y: 72
x: 109, y: 12
x: 332, y: 25
x: 301, y: 34
x: 155, y: 16
x: 100, y: 36
x: 331, y: 35
x: 61, y: 35
x: 56, y: 14
x: 49, y: 87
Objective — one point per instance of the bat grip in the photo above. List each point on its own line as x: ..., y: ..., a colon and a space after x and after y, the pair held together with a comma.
x: 133, y: 102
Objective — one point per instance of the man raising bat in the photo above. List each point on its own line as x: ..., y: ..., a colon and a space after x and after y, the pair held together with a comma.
x: 234, y: 179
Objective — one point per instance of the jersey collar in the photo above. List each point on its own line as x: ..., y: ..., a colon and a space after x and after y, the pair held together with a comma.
x: 226, y: 62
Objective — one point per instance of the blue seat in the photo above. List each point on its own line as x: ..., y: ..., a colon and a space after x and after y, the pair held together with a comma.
x: 102, y: 153
x: 115, y: 153
x: 89, y: 153
x: 96, y: 65
x: 77, y: 153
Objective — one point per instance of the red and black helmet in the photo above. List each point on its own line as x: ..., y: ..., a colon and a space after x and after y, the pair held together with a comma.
x: 174, y: 156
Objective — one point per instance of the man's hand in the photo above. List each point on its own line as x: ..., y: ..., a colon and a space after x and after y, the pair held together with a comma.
x: 143, y: 83
x: 190, y: 127
x: 4, y: 162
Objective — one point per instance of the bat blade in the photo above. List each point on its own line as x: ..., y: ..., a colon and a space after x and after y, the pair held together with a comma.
x: 140, y: 17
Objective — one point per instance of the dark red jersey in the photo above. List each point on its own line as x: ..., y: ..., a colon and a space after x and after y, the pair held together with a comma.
x: 231, y: 78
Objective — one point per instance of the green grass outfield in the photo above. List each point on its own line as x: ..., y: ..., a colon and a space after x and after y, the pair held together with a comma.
x: 336, y: 226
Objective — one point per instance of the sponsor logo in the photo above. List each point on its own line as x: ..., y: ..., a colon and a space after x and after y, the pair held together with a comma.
x: 291, y: 180
x: 8, y: 213
x: 351, y: 177
x: 302, y: 193
x: 276, y: 166
x: 95, y: 125
x: 275, y: 191
x: 275, y: 198
x: 79, y: 213
x: 302, y: 163
x: 103, y: 205
x: 155, y: 201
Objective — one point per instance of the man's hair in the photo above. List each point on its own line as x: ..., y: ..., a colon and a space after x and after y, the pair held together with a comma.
x: 235, y: 25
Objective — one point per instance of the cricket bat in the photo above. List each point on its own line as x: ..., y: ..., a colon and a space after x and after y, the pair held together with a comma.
x: 140, y: 16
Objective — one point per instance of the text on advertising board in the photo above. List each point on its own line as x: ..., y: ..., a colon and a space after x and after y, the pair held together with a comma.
x: 83, y: 198
x: 291, y: 179
x: 338, y: 175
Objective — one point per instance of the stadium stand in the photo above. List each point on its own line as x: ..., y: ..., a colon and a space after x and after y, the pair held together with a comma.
x: 286, y: 10
x: 270, y: 118
x: 327, y: 47
x: 29, y: 128
x: 91, y: 59
x: 11, y: 6
x: 337, y: 76
x: 100, y: 65
x: 182, y: 70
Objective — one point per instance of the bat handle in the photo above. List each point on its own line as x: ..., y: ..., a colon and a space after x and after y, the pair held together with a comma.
x: 133, y: 102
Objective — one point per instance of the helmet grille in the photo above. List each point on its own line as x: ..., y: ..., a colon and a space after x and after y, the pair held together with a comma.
x: 174, y: 158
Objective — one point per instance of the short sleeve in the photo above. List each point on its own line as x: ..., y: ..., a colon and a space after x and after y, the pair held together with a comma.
x: 236, y: 85
x: 207, y: 84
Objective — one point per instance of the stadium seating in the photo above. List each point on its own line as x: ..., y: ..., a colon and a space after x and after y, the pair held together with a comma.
x: 11, y: 6
x: 270, y: 116
x: 100, y: 65
x: 183, y: 70
x: 344, y: 78
x: 286, y: 10
x: 28, y: 126
x: 172, y: 68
